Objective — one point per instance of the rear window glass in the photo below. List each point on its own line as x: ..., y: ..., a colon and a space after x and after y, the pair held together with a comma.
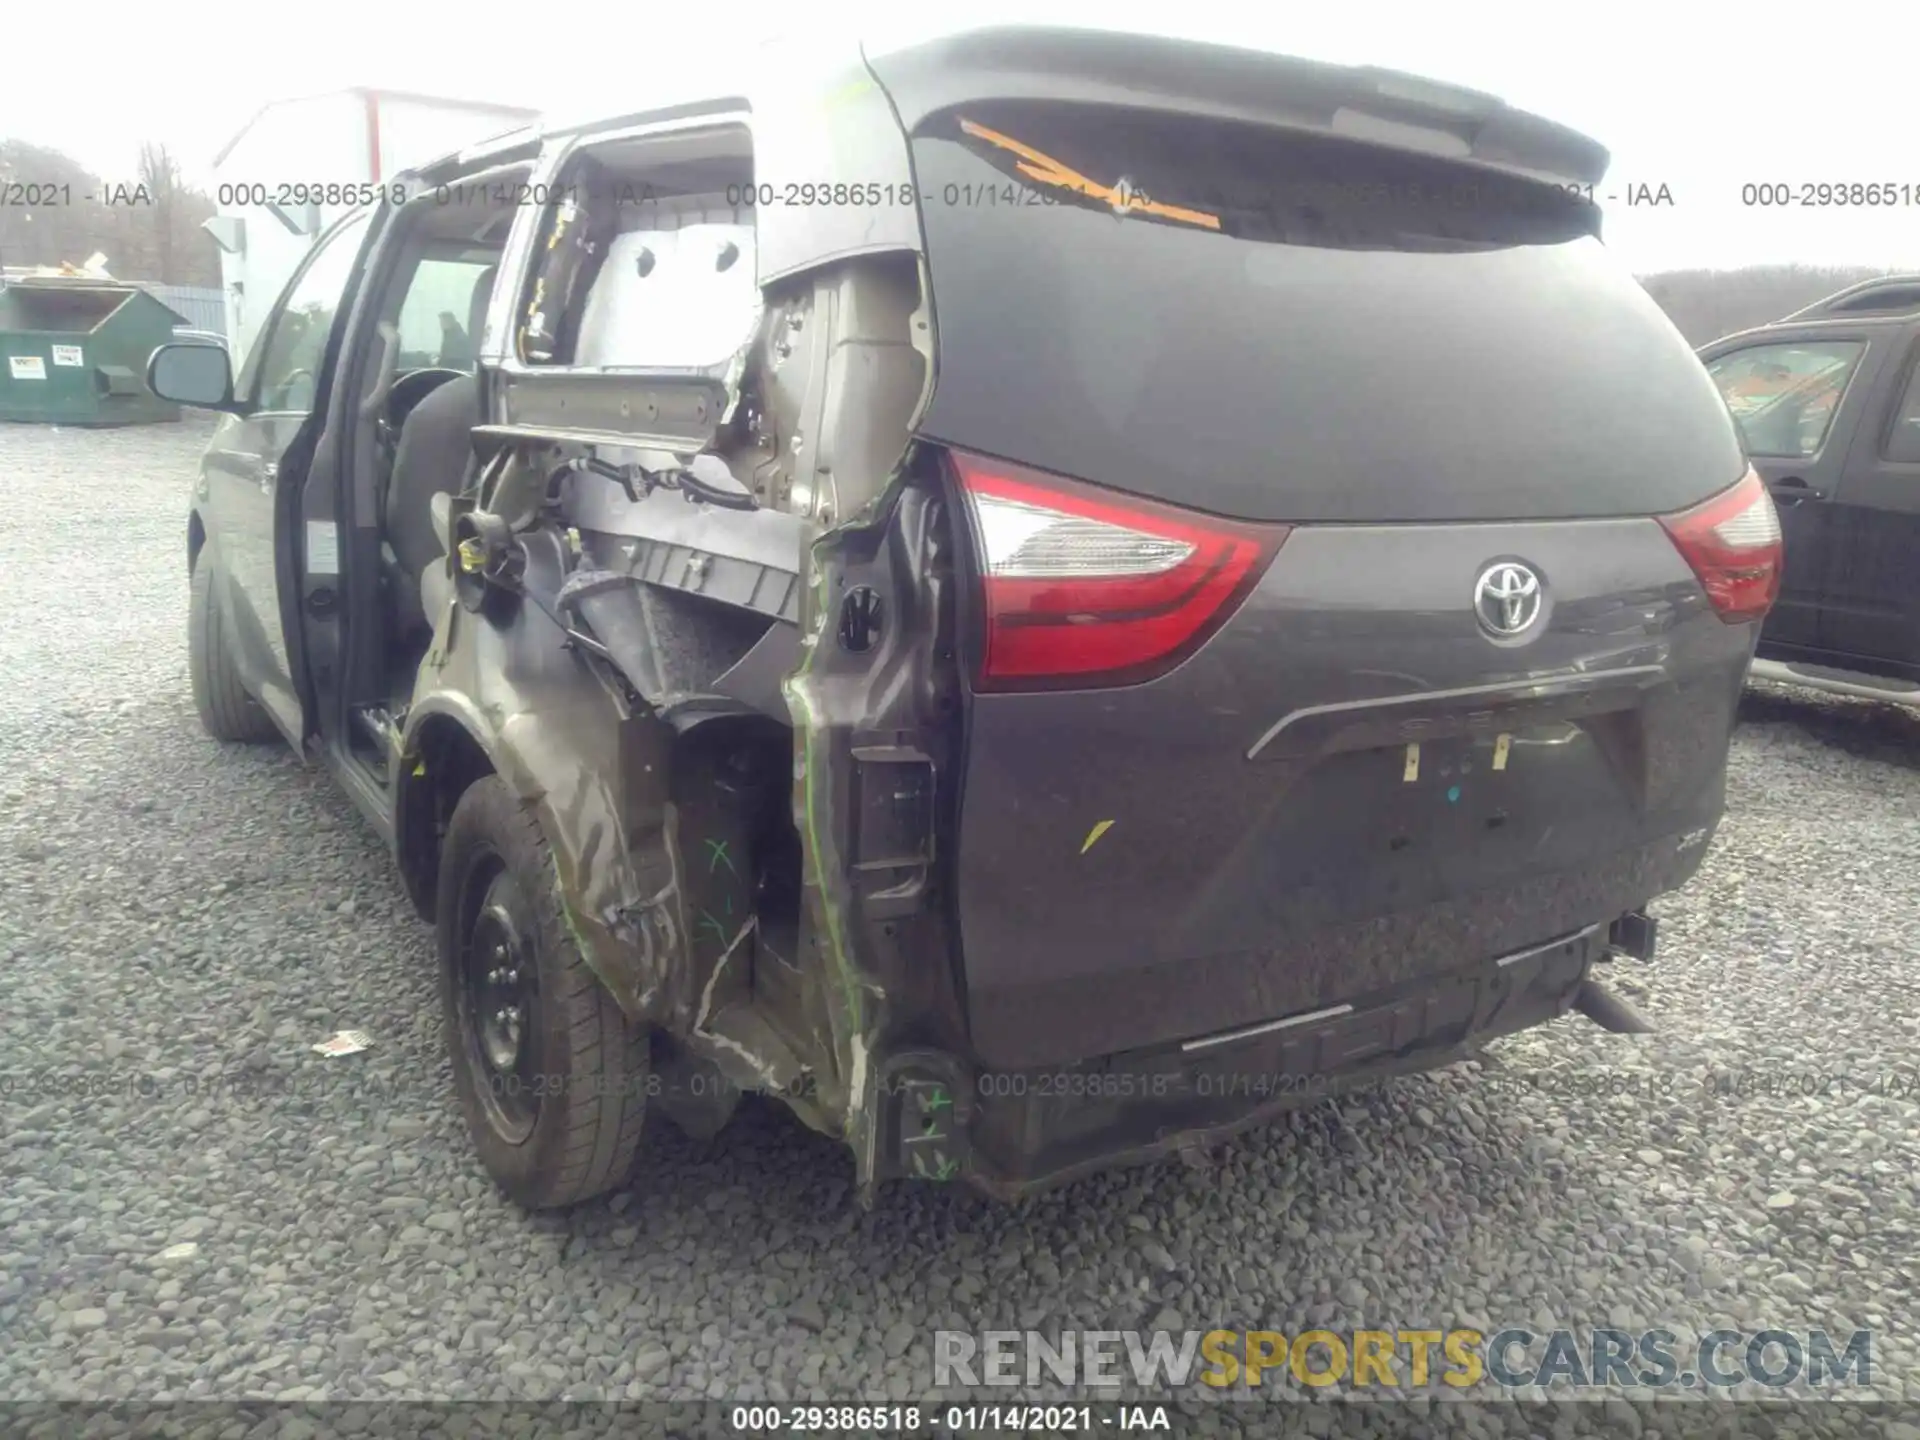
x: 1277, y: 326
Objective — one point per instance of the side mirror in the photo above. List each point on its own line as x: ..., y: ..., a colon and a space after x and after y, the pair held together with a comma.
x: 194, y: 374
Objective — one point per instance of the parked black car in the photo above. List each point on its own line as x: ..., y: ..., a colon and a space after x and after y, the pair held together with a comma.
x: 1038, y: 597
x: 1828, y: 404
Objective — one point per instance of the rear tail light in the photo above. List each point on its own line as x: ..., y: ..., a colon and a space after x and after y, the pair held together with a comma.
x: 1732, y: 541
x: 1084, y: 586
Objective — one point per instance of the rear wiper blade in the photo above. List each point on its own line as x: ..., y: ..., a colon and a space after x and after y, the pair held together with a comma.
x: 1125, y: 199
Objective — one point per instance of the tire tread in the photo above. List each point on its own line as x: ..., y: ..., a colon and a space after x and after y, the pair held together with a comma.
x: 603, y: 1105
x: 227, y: 711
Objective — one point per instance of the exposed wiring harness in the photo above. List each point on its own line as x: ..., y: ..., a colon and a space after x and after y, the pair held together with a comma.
x: 639, y: 482
x: 493, y: 556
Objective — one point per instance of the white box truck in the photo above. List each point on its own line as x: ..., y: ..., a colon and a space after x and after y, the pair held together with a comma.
x: 300, y: 164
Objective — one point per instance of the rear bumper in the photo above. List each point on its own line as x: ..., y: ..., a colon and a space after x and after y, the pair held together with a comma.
x: 1028, y: 1129
x: 1049, y: 1024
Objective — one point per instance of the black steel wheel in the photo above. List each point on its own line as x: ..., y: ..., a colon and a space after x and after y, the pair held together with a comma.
x: 499, y: 998
x: 552, y: 1078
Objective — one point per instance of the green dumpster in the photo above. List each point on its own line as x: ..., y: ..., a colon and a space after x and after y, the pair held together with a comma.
x: 74, y: 352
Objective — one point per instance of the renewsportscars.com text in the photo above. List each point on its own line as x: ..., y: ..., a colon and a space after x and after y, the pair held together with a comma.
x: 1411, y: 1359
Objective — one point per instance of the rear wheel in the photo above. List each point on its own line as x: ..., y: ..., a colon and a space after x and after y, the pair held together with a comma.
x: 552, y: 1077
x: 227, y: 711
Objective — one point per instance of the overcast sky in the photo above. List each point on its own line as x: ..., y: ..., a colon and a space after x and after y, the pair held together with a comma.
x: 1700, y: 97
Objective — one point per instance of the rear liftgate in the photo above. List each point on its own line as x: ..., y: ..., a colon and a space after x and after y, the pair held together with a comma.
x: 1157, y: 876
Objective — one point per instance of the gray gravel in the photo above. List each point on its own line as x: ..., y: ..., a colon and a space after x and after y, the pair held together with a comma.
x: 173, y: 911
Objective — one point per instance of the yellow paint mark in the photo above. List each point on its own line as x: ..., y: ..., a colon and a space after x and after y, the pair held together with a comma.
x: 852, y: 90
x: 419, y: 768
x: 1412, y: 772
x: 1500, y: 746
x: 1095, y: 833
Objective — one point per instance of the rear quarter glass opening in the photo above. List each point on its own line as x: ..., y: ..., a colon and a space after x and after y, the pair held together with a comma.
x: 1292, y: 328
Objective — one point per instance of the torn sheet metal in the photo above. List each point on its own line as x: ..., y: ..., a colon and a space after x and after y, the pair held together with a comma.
x: 638, y: 622
x: 646, y: 825
x: 595, y: 773
x: 882, y: 948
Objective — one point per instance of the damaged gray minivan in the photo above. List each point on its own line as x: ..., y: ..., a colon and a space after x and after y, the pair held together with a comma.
x: 1040, y: 596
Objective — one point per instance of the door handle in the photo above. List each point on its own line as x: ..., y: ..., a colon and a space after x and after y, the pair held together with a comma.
x: 1791, y: 490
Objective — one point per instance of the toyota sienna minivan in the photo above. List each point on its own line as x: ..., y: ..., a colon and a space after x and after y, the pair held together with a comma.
x: 1037, y: 597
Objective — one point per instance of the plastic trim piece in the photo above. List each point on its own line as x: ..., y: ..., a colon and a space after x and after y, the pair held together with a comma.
x: 1523, y: 689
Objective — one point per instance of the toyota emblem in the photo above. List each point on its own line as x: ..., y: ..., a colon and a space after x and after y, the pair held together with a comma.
x: 1507, y: 598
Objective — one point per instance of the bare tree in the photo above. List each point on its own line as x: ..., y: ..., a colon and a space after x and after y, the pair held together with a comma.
x: 149, y: 228
x: 160, y: 178
x: 49, y: 215
x: 1706, y: 304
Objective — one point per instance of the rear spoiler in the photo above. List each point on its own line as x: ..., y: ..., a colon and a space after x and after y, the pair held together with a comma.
x: 1382, y: 107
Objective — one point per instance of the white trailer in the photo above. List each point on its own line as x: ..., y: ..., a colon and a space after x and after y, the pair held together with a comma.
x: 300, y: 164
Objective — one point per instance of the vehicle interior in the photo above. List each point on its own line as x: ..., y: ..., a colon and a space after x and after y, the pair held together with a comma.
x: 1782, y: 402
x: 425, y: 395
x: 655, y: 272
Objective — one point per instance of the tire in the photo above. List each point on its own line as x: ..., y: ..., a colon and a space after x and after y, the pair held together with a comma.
x: 227, y: 711
x: 555, y: 1102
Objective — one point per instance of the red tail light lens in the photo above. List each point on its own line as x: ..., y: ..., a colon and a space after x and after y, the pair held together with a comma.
x: 1082, y: 586
x: 1732, y: 541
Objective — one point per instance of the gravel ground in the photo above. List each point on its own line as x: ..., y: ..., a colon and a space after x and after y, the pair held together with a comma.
x: 172, y: 911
